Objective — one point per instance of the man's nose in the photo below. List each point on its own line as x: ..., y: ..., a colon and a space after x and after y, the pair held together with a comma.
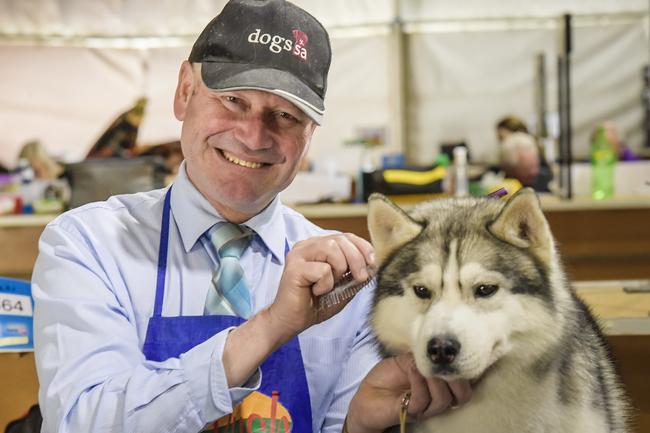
x: 254, y: 133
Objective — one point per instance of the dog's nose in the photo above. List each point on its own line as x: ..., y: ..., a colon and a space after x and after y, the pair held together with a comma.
x: 443, y: 350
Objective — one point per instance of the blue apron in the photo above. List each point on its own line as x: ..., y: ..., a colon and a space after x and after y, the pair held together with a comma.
x: 283, y: 397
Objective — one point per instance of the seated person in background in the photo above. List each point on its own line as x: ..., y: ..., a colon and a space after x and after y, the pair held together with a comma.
x: 623, y: 152
x: 509, y: 125
x: 520, y: 159
x: 44, y: 166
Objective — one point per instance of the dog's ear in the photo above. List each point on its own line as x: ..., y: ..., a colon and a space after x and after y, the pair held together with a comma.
x: 523, y: 224
x: 389, y: 226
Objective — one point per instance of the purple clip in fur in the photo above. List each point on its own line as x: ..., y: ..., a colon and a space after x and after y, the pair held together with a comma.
x: 498, y: 193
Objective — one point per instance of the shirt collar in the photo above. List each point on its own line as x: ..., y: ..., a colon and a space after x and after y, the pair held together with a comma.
x: 194, y: 215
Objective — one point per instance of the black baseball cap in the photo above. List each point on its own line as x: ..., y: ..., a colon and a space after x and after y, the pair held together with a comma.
x: 269, y: 45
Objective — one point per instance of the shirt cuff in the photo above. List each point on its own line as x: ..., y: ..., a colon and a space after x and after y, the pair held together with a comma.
x: 211, y: 394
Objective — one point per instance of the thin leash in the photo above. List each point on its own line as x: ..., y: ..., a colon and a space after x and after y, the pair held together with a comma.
x: 404, y: 407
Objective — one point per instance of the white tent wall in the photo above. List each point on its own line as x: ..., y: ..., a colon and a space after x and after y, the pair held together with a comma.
x: 186, y: 17
x: 68, y: 67
x: 607, y: 82
x: 445, y: 10
x: 462, y: 83
x: 159, y: 17
x: 460, y: 89
x: 66, y: 96
x: 62, y: 96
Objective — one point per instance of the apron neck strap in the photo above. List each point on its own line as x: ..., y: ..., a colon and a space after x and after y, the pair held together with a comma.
x: 162, y: 255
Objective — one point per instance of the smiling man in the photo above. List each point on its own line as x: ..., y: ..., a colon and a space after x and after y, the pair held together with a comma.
x: 195, y: 307
x: 241, y: 147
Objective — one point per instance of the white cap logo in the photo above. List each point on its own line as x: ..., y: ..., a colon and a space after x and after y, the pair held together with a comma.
x: 277, y: 43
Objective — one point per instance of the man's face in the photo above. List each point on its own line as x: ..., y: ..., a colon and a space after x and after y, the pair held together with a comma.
x: 241, y: 147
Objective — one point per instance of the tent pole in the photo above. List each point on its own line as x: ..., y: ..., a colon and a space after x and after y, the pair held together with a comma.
x: 398, y: 96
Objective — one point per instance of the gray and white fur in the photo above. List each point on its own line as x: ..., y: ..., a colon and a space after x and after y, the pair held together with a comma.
x: 475, y: 289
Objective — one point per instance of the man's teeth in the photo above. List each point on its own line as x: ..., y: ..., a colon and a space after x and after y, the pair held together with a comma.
x: 241, y: 162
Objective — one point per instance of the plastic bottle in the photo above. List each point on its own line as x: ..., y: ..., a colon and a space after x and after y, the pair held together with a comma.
x: 366, y: 167
x: 27, y: 186
x: 461, y: 187
x: 603, y: 163
x: 442, y: 160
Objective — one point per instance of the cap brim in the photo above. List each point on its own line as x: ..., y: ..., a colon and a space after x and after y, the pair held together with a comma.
x: 236, y: 76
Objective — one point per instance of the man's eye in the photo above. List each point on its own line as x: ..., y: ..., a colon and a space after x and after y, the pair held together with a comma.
x: 287, y: 117
x: 232, y: 101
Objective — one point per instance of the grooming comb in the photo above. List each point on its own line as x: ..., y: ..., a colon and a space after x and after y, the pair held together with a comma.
x: 344, y: 289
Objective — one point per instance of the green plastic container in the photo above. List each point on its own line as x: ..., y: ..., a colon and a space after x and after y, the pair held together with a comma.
x: 603, y: 163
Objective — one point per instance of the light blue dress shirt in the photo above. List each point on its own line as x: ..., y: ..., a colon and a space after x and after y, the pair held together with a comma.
x: 94, y: 285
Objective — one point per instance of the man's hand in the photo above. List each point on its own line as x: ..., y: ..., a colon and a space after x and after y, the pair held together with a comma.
x: 311, y: 269
x: 376, y: 405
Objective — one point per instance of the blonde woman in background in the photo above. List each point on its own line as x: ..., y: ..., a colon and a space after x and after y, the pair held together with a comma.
x: 509, y: 125
x: 43, y: 165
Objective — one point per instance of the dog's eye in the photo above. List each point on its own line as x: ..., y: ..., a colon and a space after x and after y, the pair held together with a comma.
x: 485, y: 290
x: 422, y: 292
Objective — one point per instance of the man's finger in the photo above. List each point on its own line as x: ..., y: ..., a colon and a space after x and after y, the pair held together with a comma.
x: 364, y: 246
x: 420, y: 396
x: 441, y: 397
x: 355, y: 259
x: 319, y: 276
x: 461, y: 390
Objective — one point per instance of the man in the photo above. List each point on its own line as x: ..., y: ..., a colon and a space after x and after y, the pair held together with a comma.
x: 137, y: 332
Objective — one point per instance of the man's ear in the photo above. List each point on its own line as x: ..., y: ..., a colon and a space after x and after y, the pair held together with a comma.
x: 523, y: 224
x: 184, y: 90
x: 389, y: 226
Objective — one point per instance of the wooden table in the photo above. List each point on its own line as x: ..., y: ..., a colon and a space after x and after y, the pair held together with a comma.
x: 623, y: 308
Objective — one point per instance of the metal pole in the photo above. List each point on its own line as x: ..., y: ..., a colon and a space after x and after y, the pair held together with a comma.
x: 564, y: 101
x: 540, y: 97
x: 399, y: 96
x: 645, y: 98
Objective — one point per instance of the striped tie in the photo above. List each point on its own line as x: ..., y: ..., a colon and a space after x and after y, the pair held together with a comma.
x: 228, y: 294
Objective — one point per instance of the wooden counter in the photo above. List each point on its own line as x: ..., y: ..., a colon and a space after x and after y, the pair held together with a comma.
x: 599, y: 240
x: 19, y: 243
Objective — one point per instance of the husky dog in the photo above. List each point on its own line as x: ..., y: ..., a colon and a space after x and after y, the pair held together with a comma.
x: 474, y: 288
